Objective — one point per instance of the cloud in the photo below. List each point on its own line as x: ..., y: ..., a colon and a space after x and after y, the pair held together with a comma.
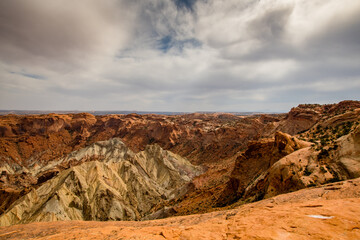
x: 179, y: 55
x: 61, y: 32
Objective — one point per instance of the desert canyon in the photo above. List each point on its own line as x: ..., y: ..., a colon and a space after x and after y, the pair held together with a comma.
x: 189, y: 176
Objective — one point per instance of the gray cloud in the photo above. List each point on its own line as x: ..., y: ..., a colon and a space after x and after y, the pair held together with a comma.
x: 59, y: 31
x: 178, y: 55
x: 270, y: 27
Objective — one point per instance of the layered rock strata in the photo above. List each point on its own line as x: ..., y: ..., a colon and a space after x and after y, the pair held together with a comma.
x: 106, y: 182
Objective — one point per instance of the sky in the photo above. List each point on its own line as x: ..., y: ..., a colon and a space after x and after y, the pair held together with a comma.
x: 178, y: 55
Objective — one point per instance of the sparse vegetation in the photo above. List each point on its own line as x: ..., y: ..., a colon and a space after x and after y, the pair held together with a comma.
x: 332, y: 180
x: 307, y: 172
x: 324, y: 136
x: 311, y: 185
x: 323, y: 153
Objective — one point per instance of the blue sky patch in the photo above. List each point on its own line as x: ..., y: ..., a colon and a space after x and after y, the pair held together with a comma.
x: 185, y: 4
x: 168, y: 42
x: 165, y: 43
x: 29, y: 75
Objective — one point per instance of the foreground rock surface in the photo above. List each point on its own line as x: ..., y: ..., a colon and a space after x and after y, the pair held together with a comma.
x: 307, y: 214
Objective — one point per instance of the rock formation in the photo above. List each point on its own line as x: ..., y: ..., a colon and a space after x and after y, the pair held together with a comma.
x: 107, y: 181
x: 39, y: 141
x: 67, y: 161
x: 258, y: 158
x: 305, y: 116
x: 284, y: 164
x: 310, y: 167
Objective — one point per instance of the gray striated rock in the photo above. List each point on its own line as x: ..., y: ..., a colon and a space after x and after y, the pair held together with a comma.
x: 110, y: 182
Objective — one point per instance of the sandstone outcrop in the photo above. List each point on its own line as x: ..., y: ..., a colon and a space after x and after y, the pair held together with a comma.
x: 305, y: 116
x: 284, y: 163
x: 107, y: 181
x: 310, y: 167
x: 259, y: 157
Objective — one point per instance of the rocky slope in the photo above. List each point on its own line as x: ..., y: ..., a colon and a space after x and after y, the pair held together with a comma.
x: 307, y: 214
x: 107, y: 181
